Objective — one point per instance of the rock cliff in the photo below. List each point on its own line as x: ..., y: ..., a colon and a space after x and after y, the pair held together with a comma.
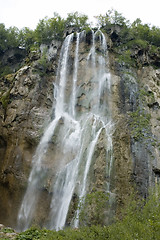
x: 26, y: 99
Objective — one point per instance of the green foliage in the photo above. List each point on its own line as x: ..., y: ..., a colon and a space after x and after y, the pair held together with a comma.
x: 154, y: 49
x: 92, y: 208
x: 144, y: 32
x: 4, y: 99
x: 129, y: 32
x: 146, y: 97
x: 3, y: 34
x: 5, y: 96
x: 43, y: 65
x: 128, y: 36
x: 116, y: 18
x: 141, y: 220
x: 43, y: 62
x: 76, y: 20
x: 49, y: 29
x: 57, y: 25
x: 154, y: 35
x: 112, y: 17
x: 13, y: 37
x: 43, y: 32
x: 8, y: 38
x: 139, y: 123
x: 27, y: 38
x: 4, y: 70
x: 125, y: 58
x: 134, y: 37
x: 7, y: 230
x: 88, y: 233
x: 138, y: 43
x: 103, y: 20
x: 138, y: 30
x: 32, y: 233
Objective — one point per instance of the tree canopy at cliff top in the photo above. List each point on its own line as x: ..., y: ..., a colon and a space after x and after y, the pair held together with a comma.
x: 53, y: 28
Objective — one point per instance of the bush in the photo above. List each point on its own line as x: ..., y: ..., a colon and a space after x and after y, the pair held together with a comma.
x: 76, y: 20
x: 140, y: 124
x: 141, y: 221
x: 92, y: 209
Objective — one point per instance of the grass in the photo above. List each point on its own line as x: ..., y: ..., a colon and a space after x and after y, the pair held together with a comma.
x: 141, y: 221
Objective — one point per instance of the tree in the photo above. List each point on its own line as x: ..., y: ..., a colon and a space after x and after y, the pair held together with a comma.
x: 112, y: 17
x: 117, y: 18
x: 77, y: 20
x: 154, y: 36
x: 27, y: 38
x: 3, y: 38
x: 92, y: 209
x: 57, y: 25
x: 12, y: 37
x: 103, y: 20
x: 49, y: 29
x: 43, y: 32
x: 8, y: 38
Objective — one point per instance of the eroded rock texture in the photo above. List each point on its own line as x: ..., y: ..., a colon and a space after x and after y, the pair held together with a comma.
x: 25, y: 109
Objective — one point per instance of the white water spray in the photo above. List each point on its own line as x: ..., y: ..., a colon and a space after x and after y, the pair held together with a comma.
x: 76, y: 135
x: 74, y: 90
x: 37, y: 173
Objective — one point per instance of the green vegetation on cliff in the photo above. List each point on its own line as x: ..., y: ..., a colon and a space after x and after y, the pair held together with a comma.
x: 134, y: 44
x: 140, y: 124
x: 132, y: 35
x: 92, y: 208
x: 141, y: 220
x: 47, y: 29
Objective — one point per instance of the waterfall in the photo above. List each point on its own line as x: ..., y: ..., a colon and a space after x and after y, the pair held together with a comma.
x: 37, y: 173
x: 62, y: 75
x: 36, y: 176
x: 73, y: 96
x: 86, y: 170
x: 82, y: 115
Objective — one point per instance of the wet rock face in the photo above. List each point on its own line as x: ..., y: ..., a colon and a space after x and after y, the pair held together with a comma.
x: 150, y: 80
x: 26, y: 99
x: 21, y: 126
x: 13, y: 58
x: 135, y: 109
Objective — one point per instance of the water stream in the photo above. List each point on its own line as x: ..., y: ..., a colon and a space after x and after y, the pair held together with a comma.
x: 82, y: 113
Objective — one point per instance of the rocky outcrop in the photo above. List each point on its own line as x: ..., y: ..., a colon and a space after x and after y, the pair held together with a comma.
x: 12, y: 59
x: 7, y: 232
x: 26, y: 100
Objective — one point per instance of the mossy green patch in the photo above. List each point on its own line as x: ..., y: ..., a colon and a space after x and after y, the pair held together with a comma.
x: 93, y: 207
x: 5, y: 70
x: 140, y: 124
x: 141, y: 220
x: 147, y: 97
x: 124, y: 57
x: 4, y: 99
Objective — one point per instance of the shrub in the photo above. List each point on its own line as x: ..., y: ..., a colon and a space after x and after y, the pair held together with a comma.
x: 92, y: 209
x: 141, y: 221
x: 139, y: 123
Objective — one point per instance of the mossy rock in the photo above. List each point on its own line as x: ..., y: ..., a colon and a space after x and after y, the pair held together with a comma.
x: 10, y: 77
x: 4, y: 99
x: 140, y: 124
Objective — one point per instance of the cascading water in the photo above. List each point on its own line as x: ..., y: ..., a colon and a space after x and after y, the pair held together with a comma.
x: 82, y: 114
x: 36, y: 176
x: 73, y: 95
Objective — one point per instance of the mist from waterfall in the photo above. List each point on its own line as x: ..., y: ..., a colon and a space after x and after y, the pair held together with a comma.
x: 81, y: 114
